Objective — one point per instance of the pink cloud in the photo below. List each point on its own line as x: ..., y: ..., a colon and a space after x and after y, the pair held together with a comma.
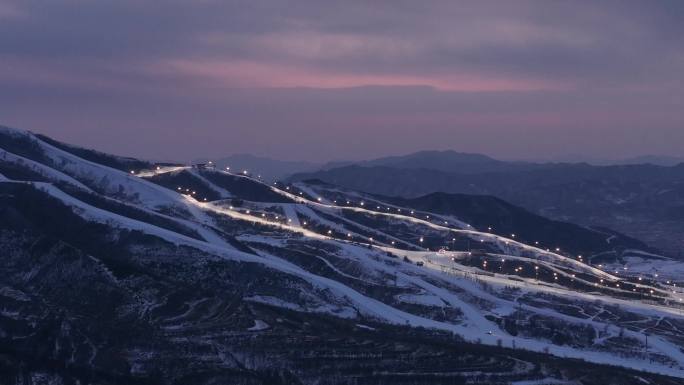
x: 247, y: 74
x: 10, y: 11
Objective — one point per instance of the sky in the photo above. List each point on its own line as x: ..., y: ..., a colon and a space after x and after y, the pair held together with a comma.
x: 328, y: 80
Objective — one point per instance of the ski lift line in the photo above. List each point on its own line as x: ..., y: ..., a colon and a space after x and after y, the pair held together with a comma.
x: 470, y: 233
x: 555, y: 269
x: 300, y: 199
x: 440, y: 227
x: 374, y: 231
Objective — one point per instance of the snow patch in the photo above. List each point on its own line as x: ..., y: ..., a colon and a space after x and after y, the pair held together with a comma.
x: 259, y: 325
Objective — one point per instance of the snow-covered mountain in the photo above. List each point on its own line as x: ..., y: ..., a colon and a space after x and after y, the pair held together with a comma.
x: 124, y: 271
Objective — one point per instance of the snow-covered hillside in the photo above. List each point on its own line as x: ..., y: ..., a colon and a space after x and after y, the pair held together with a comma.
x: 354, y: 257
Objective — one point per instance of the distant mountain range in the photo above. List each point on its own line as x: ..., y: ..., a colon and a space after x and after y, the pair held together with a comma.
x: 650, y: 159
x: 656, y: 160
x: 448, y: 161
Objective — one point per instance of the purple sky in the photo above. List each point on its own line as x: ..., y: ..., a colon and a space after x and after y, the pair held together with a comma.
x: 321, y: 80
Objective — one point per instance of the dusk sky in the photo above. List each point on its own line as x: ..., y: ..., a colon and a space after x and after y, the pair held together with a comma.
x: 321, y: 80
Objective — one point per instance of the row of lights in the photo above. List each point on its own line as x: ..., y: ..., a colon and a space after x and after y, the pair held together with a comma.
x: 362, y: 203
x: 156, y: 168
x: 187, y: 191
x: 379, y: 208
x: 557, y: 249
x: 513, y: 235
x: 304, y: 223
x: 319, y: 199
x: 421, y: 240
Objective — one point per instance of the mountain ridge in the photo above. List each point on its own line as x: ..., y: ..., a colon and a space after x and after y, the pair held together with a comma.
x: 216, y: 269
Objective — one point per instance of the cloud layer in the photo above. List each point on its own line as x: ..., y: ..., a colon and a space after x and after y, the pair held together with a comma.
x: 321, y: 80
